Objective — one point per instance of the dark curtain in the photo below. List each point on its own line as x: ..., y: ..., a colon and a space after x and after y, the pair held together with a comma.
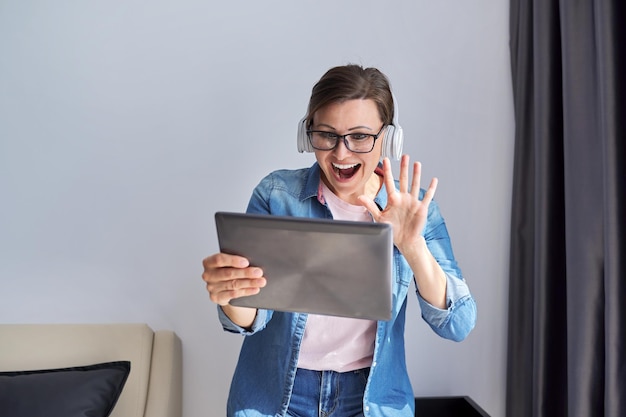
x: 567, y: 293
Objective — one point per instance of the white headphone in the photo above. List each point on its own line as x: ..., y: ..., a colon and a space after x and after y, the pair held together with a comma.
x: 392, y: 141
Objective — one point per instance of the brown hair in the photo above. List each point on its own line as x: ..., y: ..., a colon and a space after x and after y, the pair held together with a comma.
x: 350, y: 82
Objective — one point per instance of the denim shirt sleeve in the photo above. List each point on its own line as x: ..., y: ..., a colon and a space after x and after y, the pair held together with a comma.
x: 260, y: 321
x: 458, y: 319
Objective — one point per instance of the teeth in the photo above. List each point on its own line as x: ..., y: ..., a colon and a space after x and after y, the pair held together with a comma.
x: 341, y: 166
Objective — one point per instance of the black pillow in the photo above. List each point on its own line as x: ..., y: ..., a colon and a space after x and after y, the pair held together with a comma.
x: 84, y: 391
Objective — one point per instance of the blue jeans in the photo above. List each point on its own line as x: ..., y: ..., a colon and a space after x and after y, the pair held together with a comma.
x: 328, y: 393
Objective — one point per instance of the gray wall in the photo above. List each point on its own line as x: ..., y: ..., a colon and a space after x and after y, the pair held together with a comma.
x: 124, y: 125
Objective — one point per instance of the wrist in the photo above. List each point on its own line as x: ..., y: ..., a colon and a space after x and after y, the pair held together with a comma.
x: 415, y: 249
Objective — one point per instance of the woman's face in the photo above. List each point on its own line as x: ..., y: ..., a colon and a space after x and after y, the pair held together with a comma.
x: 347, y: 173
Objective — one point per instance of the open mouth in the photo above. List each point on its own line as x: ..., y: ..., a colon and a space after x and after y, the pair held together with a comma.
x: 345, y: 171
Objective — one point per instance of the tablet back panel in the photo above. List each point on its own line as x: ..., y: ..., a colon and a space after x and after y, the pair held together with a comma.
x: 319, y: 266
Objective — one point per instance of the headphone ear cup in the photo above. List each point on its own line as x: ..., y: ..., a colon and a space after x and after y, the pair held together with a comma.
x: 394, y: 136
x: 392, y: 142
x: 303, y: 140
x: 398, y: 141
x: 387, y: 141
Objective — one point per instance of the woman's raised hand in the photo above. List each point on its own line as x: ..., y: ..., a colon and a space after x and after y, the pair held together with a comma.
x: 405, y: 211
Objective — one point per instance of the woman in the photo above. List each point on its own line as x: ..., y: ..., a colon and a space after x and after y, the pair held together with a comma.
x: 295, y: 364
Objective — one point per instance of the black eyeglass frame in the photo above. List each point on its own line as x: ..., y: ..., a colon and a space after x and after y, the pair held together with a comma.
x: 344, y: 138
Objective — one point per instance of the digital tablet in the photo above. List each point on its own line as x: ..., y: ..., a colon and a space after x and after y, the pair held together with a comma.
x: 330, y: 267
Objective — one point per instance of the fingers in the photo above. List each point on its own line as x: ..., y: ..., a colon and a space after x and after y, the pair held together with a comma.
x: 221, y: 260
x: 430, y: 192
x: 417, y: 179
x: 404, y: 174
x: 370, y: 205
x: 224, y: 290
x: 230, y: 276
x: 405, y: 185
x: 414, y: 189
x: 388, y: 176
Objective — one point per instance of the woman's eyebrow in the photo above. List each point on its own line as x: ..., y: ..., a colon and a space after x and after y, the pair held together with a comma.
x: 349, y: 130
x: 361, y: 127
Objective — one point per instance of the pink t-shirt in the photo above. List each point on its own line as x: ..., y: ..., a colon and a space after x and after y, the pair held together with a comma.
x: 331, y: 343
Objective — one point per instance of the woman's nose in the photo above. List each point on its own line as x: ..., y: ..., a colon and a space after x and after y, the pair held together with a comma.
x: 341, y: 150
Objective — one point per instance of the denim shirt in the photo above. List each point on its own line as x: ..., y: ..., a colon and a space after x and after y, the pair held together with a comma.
x: 263, y: 378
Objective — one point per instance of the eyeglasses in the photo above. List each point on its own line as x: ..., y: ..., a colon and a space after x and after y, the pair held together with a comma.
x: 355, y: 142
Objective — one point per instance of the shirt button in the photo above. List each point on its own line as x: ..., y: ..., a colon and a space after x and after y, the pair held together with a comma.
x: 373, y: 364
